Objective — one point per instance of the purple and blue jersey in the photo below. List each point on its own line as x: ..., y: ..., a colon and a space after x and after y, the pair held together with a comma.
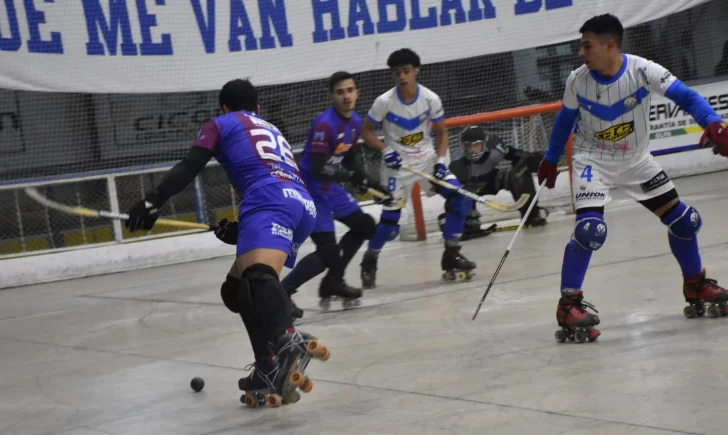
x: 277, y: 211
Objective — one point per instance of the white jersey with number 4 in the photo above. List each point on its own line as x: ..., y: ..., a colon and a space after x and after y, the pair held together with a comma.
x: 407, y: 127
x: 614, y: 112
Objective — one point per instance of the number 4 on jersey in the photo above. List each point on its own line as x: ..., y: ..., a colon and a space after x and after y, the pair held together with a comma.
x: 587, y: 173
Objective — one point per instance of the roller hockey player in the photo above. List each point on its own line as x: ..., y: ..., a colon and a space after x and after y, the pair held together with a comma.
x: 609, y: 98
x: 478, y: 170
x: 331, y: 155
x: 405, y: 114
x: 276, y: 216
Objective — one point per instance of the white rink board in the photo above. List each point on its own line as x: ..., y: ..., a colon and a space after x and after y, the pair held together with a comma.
x: 131, y: 256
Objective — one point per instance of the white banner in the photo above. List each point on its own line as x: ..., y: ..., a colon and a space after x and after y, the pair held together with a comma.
x: 148, y: 46
x: 672, y: 129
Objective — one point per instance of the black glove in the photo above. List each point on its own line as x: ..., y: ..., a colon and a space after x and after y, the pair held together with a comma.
x: 142, y: 216
x: 227, y: 232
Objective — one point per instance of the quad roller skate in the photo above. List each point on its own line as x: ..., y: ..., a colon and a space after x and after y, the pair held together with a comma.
x: 705, y: 296
x: 369, y: 269
x: 275, y: 382
x: 333, y: 288
x: 455, y: 267
x: 575, y: 322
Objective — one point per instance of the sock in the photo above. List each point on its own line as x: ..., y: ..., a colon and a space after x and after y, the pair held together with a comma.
x: 686, y: 252
x: 307, y: 269
x: 454, y: 225
x: 387, y: 229
x: 573, y: 269
x: 349, y: 244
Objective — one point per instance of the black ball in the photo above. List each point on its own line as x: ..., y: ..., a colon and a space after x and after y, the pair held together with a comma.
x: 197, y: 384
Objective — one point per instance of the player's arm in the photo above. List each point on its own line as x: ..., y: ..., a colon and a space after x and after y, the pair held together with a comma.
x: 322, y: 165
x: 661, y: 81
x: 442, y: 143
x: 373, y: 119
x: 563, y: 126
x: 146, y: 212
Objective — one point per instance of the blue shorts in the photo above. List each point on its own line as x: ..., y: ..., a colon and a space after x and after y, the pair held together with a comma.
x: 276, y: 216
x: 332, y: 202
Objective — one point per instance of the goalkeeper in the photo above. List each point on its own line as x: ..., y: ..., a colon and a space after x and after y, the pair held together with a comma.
x: 478, y: 171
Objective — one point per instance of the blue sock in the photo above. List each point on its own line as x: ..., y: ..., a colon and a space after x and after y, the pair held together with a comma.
x: 573, y: 269
x: 387, y: 230
x: 685, y: 250
x: 454, y: 225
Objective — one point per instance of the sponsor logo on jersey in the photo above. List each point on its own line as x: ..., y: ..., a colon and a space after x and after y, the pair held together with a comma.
x: 643, y: 73
x: 342, y: 148
x: 319, y: 135
x: 653, y: 183
x: 630, y: 103
x: 587, y: 196
x: 616, y: 132
x: 665, y: 77
x: 411, y: 139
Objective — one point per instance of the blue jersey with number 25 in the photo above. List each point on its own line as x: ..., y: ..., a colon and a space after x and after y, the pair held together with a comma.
x: 251, y: 150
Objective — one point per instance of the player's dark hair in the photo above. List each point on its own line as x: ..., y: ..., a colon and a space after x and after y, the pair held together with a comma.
x: 605, y: 25
x: 238, y: 95
x: 402, y: 57
x: 338, y: 77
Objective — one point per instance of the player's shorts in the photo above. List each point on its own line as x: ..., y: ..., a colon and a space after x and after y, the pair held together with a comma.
x: 591, y: 180
x: 400, y: 182
x: 276, y: 216
x: 332, y: 202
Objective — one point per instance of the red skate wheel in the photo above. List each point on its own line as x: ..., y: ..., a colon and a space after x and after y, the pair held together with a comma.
x: 313, y: 346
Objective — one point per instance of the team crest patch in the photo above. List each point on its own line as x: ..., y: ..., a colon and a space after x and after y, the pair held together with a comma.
x: 630, y: 103
x: 411, y: 139
x: 616, y: 132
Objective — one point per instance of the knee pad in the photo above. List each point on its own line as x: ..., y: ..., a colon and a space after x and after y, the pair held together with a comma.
x: 683, y: 221
x: 229, y: 293
x: 591, y: 230
x: 361, y: 225
x: 458, y: 205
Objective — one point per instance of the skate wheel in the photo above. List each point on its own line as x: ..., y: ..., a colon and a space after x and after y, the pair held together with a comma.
x: 291, y: 398
x: 314, y: 347
x: 273, y: 400
x: 448, y: 276
x: 560, y: 336
x: 307, y: 386
x: 580, y: 336
x: 463, y: 276
x: 250, y: 400
x: 297, y: 378
x: 713, y: 311
x: 325, y: 304
x: 349, y: 304
x: 593, y: 334
x: 324, y: 355
x: 689, y: 312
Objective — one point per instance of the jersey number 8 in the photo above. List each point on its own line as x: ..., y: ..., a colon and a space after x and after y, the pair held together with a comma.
x: 275, y: 148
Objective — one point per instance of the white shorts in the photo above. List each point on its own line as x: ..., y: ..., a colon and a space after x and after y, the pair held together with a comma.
x: 400, y: 182
x: 591, y: 179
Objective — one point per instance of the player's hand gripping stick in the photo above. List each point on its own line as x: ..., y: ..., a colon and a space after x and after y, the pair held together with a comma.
x: 508, y: 249
x: 468, y: 194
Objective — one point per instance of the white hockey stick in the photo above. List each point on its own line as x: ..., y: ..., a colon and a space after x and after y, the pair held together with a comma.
x: 87, y: 212
x: 466, y: 193
x: 510, y: 245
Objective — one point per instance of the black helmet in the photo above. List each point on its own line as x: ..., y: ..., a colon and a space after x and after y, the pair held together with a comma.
x: 472, y: 139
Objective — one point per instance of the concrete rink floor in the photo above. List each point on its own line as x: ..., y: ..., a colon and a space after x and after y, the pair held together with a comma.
x: 115, y: 354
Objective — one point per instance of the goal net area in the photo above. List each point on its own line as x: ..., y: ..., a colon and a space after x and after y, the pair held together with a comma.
x: 99, y: 97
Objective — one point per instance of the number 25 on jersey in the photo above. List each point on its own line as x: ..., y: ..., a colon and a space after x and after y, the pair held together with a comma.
x: 272, y: 146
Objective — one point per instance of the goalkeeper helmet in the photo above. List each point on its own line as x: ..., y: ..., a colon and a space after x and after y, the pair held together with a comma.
x: 472, y: 139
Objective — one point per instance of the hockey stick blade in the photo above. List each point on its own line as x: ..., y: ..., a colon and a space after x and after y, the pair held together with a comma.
x: 508, y: 249
x: 468, y: 194
x: 87, y: 212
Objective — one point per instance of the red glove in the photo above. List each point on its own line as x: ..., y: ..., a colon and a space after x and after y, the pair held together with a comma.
x: 547, y: 171
x: 716, y: 135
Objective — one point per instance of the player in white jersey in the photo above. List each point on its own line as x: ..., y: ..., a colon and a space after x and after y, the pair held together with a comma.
x: 406, y: 114
x: 609, y: 100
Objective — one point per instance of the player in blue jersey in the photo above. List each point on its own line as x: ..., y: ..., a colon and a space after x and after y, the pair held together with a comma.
x: 277, y: 214
x: 331, y: 156
x: 608, y: 99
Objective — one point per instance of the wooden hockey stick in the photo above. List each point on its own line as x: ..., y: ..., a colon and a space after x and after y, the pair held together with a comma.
x: 466, y: 193
x: 87, y: 212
